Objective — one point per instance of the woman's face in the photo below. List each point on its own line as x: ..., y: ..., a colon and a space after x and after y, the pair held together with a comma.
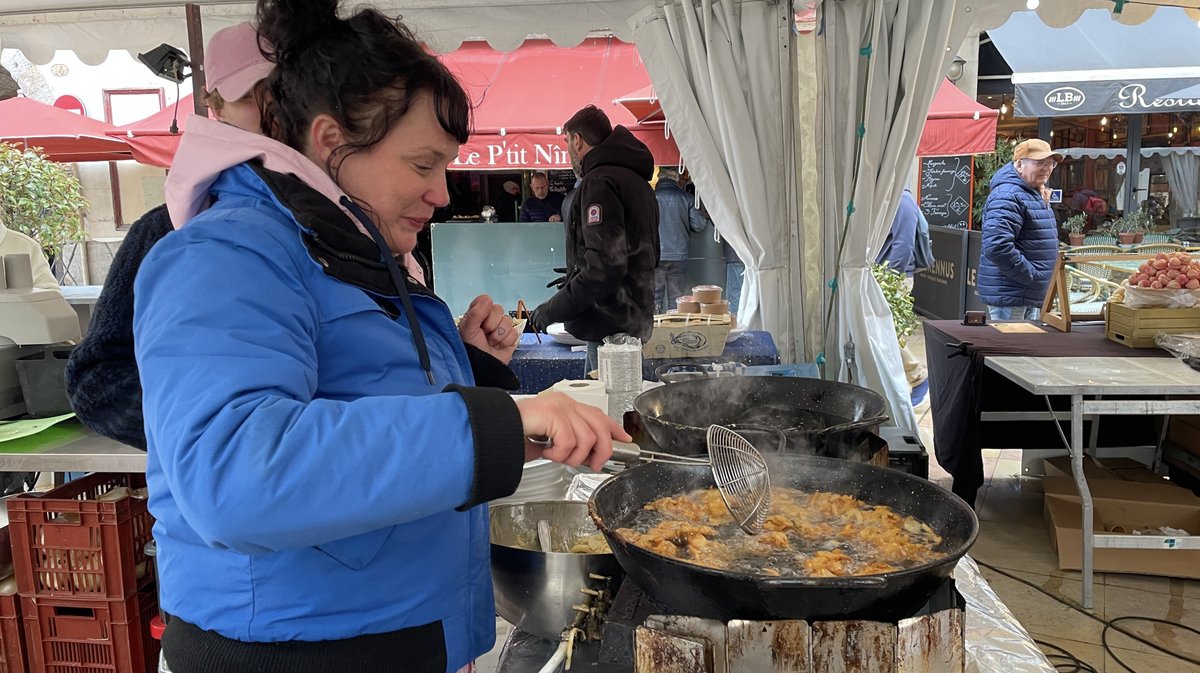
x: 241, y: 113
x: 401, y: 179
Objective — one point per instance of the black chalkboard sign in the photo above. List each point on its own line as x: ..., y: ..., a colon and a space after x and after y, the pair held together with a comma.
x: 561, y: 181
x: 945, y: 190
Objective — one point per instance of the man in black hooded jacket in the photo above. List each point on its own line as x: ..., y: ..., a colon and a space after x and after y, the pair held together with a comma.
x: 612, y: 237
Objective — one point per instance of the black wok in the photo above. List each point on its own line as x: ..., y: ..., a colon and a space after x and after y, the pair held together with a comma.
x: 812, y: 413
x: 692, y: 590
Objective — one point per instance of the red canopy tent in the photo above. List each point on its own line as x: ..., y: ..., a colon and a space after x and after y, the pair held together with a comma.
x: 150, y: 139
x: 523, y: 97
x: 644, y: 106
x: 63, y: 136
x: 521, y: 100
x: 957, y: 125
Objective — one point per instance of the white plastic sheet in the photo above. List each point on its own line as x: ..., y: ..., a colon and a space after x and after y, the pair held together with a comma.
x: 996, y: 642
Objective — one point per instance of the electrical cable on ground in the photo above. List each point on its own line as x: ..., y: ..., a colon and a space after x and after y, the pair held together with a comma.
x: 1073, y: 661
x: 1070, y: 663
x: 1108, y: 624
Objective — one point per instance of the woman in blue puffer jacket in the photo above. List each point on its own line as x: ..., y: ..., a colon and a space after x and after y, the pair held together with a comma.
x: 1020, y: 235
x: 323, y: 438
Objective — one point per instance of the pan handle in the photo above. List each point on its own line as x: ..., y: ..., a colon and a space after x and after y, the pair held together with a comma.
x: 852, y: 425
x: 863, y: 582
x: 626, y: 453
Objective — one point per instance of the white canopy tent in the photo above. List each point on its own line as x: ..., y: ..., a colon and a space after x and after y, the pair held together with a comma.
x: 797, y: 149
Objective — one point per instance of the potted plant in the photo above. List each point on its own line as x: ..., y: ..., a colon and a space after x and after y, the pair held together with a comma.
x: 1138, y: 223
x: 1074, y: 228
x: 40, y: 198
x: 1126, y: 230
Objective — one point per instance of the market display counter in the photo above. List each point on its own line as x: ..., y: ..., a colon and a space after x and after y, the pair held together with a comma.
x: 541, y: 365
x: 964, y: 394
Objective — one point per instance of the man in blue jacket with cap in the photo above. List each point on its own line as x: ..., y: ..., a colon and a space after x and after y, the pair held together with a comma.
x: 1020, y: 235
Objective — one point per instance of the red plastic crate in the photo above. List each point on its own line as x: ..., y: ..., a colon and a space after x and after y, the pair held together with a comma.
x: 67, y: 544
x: 91, y: 636
x: 12, y: 636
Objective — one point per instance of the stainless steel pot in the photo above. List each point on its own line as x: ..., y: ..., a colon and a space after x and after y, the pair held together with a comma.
x: 535, y: 590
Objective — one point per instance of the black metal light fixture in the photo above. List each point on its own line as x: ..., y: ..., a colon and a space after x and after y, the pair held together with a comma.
x: 167, y: 62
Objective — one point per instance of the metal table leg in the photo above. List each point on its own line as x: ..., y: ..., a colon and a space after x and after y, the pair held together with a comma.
x: 1085, y: 496
x: 1095, y: 433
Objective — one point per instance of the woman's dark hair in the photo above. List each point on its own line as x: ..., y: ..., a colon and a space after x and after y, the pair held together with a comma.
x: 591, y: 123
x: 364, y: 71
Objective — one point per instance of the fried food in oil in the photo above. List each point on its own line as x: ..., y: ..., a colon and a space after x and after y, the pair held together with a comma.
x: 591, y: 544
x: 815, y: 534
x: 680, y: 539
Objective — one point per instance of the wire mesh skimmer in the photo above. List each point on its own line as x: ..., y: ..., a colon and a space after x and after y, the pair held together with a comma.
x: 738, y: 469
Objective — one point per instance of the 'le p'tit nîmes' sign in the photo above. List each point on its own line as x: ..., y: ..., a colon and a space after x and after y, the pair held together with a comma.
x: 1051, y: 99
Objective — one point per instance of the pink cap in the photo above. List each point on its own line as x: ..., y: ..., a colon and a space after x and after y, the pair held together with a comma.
x: 233, y: 63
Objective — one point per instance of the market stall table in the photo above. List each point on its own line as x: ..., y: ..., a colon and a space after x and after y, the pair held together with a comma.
x: 69, y: 447
x: 541, y: 365
x: 966, y: 398
x: 1127, y: 387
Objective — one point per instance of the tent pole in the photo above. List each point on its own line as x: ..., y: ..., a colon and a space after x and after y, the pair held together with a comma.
x: 196, y: 49
x: 1133, y: 157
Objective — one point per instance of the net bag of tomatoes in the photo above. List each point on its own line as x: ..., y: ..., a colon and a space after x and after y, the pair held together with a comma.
x: 1170, y: 280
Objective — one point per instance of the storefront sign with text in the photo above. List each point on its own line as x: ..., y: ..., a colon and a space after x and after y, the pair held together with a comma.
x: 513, y: 151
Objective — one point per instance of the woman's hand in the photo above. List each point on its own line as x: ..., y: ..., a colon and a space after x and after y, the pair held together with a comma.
x: 486, y: 326
x: 579, y: 433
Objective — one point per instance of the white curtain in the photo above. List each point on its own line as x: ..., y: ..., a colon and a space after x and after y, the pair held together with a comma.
x: 1183, y: 176
x: 884, y: 60
x: 722, y: 69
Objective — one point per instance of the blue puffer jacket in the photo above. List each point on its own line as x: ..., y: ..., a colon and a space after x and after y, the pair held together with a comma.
x: 1020, y: 243
x: 309, y: 481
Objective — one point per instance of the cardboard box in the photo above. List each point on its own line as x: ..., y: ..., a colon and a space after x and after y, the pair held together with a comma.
x: 1122, y: 506
x: 1185, y: 431
x: 689, y: 335
x: 1120, y: 469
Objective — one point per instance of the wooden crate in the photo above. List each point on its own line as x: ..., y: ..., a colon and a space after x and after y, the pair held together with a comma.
x: 689, y: 335
x: 1136, y: 327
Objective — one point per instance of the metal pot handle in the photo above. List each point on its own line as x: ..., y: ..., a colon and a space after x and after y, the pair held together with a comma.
x: 863, y: 582
x: 852, y: 425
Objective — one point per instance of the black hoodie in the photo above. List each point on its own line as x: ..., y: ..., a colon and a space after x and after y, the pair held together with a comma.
x: 612, y: 245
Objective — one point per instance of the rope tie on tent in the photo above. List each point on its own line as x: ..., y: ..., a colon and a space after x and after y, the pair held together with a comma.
x: 860, y: 133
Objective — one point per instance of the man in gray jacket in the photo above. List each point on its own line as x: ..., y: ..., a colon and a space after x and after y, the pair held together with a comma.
x: 676, y: 216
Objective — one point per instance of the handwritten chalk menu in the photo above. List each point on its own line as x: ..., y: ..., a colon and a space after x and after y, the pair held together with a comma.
x: 945, y: 190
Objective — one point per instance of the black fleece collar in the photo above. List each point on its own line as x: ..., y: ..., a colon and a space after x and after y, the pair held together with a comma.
x: 332, y: 239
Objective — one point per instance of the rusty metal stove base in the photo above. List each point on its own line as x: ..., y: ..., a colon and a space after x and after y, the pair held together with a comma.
x: 932, y: 642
